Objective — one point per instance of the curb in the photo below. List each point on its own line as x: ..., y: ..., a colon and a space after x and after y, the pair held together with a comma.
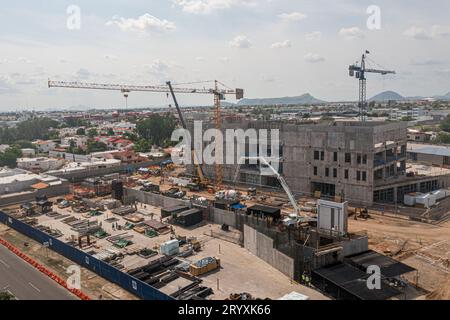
x: 43, y: 269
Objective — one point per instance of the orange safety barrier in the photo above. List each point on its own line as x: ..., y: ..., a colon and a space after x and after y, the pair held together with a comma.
x: 43, y: 269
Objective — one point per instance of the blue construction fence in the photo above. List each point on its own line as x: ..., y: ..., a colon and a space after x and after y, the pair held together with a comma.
x: 124, y: 280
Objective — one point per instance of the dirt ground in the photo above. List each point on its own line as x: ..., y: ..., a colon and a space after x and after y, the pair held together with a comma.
x: 423, y: 246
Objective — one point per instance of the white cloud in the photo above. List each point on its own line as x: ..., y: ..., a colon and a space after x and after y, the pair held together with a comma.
x: 417, y: 33
x: 144, y: 23
x: 316, y: 35
x: 440, y: 31
x: 224, y: 59
x: 314, y: 58
x: 63, y: 60
x: 268, y: 78
x: 283, y: 44
x: 83, y: 74
x: 110, y: 57
x: 428, y: 62
x: 241, y: 42
x: 209, y: 6
x: 158, y: 67
x: 351, y: 33
x: 24, y: 60
x: 293, y: 16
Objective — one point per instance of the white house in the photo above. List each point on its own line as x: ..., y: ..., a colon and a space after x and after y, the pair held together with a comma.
x: 39, y: 164
x: 44, y: 146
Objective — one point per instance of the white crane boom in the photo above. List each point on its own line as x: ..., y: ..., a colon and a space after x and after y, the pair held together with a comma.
x: 277, y: 174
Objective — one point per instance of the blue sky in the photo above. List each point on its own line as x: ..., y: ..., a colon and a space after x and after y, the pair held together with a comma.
x: 270, y: 48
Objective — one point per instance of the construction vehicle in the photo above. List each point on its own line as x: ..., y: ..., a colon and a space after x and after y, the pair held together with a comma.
x: 219, y: 94
x: 359, y: 72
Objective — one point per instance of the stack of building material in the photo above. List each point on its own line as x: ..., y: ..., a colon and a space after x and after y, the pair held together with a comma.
x: 124, y: 210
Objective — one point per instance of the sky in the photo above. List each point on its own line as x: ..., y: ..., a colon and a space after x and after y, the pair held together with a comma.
x: 270, y: 48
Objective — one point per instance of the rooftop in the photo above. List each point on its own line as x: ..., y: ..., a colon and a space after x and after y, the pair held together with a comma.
x: 429, y: 149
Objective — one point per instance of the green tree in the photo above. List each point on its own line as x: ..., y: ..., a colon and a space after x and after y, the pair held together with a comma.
x: 76, y: 122
x: 92, y: 132
x: 442, y: 138
x: 110, y: 132
x: 142, y: 145
x: 72, y: 145
x: 445, y: 125
x: 81, y: 132
x: 95, y: 146
x: 9, y: 156
x: 157, y: 129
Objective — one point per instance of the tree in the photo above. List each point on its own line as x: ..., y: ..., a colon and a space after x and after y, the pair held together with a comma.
x: 28, y: 130
x: 81, y: 132
x: 156, y: 129
x: 442, y: 138
x: 72, y: 145
x: 76, y: 122
x: 110, y: 132
x: 92, y: 132
x: 9, y: 156
x: 95, y: 146
x: 142, y: 145
x: 445, y: 125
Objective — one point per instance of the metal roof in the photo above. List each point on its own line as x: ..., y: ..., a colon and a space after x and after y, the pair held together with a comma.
x: 435, y: 150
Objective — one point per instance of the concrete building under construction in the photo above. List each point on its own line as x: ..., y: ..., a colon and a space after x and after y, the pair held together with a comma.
x: 364, y: 162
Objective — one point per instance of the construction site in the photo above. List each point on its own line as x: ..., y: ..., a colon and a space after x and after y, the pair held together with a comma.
x: 345, y: 199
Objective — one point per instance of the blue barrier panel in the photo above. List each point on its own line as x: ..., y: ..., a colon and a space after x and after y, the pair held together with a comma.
x: 124, y: 280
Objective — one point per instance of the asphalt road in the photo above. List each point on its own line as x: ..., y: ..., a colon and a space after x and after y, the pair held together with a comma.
x: 27, y: 283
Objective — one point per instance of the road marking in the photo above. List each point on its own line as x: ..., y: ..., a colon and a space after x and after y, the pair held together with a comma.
x: 34, y: 287
x: 4, y: 263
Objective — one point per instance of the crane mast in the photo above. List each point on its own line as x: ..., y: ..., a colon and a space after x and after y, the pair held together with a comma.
x: 359, y: 72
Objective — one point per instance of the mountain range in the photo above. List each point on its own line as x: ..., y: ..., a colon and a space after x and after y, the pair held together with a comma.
x: 308, y: 99
x: 303, y: 99
x: 394, y: 96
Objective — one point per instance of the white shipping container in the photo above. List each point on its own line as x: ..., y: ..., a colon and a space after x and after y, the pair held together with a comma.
x: 170, y: 247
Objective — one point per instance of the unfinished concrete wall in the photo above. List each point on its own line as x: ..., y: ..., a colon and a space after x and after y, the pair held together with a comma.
x: 355, y: 246
x: 219, y: 216
x: 30, y: 196
x: 262, y: 246
x: 153, y: 199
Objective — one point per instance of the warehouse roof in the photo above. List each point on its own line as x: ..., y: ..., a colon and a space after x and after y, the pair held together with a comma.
x: 429, y: 149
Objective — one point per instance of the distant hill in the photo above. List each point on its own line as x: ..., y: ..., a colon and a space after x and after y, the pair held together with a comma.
x: 444, y: 97
x: 387, y: 96
x: 303, y: 99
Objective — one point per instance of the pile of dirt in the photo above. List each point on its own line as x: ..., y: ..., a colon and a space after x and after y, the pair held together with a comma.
x: 442, y: 293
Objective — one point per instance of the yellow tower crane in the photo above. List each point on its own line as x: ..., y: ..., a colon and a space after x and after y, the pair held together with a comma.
x: 219, y: 95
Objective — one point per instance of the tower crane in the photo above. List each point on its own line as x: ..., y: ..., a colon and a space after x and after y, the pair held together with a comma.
x: 359, y: 72
x: 219, y: 95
